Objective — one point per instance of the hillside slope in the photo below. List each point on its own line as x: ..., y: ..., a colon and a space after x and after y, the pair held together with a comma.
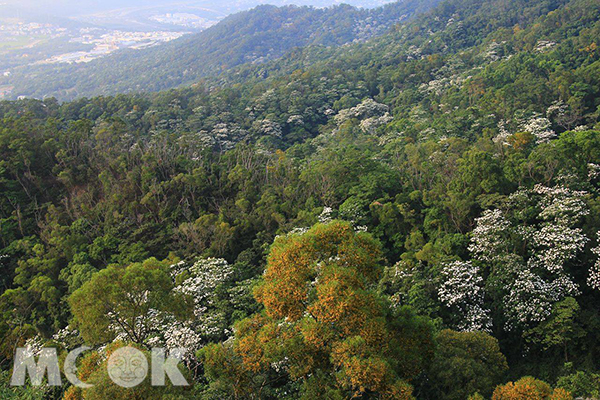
x: 264, y: 33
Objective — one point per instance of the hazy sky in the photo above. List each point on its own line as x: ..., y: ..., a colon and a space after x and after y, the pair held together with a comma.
x: 79, y: 7
x: 76, y: 7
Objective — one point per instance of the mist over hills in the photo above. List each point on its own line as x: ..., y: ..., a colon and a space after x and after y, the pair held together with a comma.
x: 74, y: 8
x: 255, y: 36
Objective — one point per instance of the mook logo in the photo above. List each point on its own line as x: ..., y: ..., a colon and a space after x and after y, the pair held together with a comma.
x: 127, y: 367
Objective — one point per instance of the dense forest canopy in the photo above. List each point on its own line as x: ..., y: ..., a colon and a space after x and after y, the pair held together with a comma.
x: 412, y: 216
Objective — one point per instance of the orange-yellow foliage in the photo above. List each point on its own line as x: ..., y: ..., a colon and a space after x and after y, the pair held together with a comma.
x: 529, y: 388
x: 323, y: 314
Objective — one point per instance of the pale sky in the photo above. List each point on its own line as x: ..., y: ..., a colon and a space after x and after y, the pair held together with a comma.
x: 76, y: 7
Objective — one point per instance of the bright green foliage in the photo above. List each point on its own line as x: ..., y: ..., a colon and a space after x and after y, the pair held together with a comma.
x: 561, y: 329
x: 581, y: 384
x: 119, y: 300
x: 93, y: 371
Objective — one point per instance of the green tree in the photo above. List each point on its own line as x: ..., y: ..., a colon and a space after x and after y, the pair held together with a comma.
x: 581, y: 384
x: 124, y: 301
x: 561, y: 329
x: 93, y: 370
x: 466, y: 363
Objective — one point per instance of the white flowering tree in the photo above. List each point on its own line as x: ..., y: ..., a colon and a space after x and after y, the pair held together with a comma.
x: 527, y: 251
x: 326, y: 215
x: 490, y: 240
x: 564, y: 115
x: 540, y: 127
x: 462, y: 289
x: 203, y: 281
x: 225, y: 136
x: 593, y: 171
x: 267, y: 127
x: 594, y: 276
x: 371, y: 115
x: 185, y: 305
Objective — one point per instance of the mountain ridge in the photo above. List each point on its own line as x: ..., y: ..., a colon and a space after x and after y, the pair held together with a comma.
x: 254, y: 36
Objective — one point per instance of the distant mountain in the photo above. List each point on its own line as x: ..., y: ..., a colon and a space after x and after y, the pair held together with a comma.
x: 74, y: 8
x: 255, y: 36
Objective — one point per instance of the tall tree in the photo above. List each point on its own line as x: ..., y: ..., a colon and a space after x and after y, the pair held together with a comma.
x: 324, y: 321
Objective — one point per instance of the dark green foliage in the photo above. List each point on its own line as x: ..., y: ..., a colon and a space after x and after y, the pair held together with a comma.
x: 466, y: 363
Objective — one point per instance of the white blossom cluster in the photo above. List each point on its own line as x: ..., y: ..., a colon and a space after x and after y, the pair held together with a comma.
x: 396, y: 274
x: 182, y: 336
x: 33, y: 346
x: 223, y: 136
x: 531, y: 256
x: 262, y: 102
x: 562, y: 114
x: 281, y: 365
x: 490, y: 237
x: 462, y: 288
x: 530, y: 299
x: 593, y: 171
x: 368, y: 109
x: 502, y: 137
x: 494, y: 51
x: 326, y: 215
x: 436, y: 86
x: 205, y: 276
x: 439, y: 85
x: 414, y: 53
x: 561, y: 204
x: 295, y: 120
x: 594, y: 277
x: 543, y: 46
x: 540, y: 127
x: 329, y: 112
x: 555, y: 244
x: 557, y: 109
x: 370, y: 125
x: 296, y: 231
x: 199, y: 280
x: 67, y: 338
x: 268, y: 128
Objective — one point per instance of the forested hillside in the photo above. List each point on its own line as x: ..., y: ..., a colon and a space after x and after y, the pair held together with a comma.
x: 255, y: 36
x: 413, y: 216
